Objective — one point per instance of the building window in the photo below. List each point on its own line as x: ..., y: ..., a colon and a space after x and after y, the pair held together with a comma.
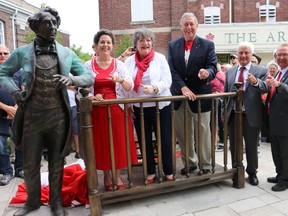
x: 212, y: 15
x: 141, y: 10
x: 2, y: 33
x: 267, y: 12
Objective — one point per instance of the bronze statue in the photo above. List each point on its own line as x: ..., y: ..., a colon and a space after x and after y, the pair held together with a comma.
x: 43, y: 117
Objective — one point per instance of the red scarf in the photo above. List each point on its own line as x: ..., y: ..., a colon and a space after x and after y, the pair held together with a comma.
x: 142, y: 67
x: 188, y: 45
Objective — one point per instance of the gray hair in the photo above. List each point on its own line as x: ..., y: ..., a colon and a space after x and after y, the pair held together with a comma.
x: 246, y: 44
x: 188, y: 14
x: 143, y: 32
x: 272, y: 63
x: 4, y: 47
x: 280, y: 46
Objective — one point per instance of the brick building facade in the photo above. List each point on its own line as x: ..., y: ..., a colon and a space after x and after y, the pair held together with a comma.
x: 226, y: 22
x: 13, y: 23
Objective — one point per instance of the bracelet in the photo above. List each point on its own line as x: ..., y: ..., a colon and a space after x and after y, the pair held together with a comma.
x: 155, y: 89
x: 122, y: 56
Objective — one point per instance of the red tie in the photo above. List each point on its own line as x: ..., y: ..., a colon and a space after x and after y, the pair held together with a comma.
x: 272, y: 90
x: 241, y: 76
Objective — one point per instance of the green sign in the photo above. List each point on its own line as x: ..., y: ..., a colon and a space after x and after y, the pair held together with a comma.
x: 223, y: 58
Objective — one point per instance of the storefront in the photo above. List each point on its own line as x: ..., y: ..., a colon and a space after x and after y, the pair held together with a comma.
x: 265, y: 37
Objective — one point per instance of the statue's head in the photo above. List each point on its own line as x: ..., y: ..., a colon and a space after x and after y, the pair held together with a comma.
x: 45, y: 23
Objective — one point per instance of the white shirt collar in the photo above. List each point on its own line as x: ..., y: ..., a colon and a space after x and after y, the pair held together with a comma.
x: 248, y: 66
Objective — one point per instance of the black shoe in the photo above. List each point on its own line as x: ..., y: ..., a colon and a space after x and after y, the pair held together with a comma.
x: 253, y: 180
x: 5, y: 180
x: 77, y: 155
x: 206, y: 171
x: 20, y: 174
x: 279, y: 187
x: 272, y: 180
x: 191, y: 169
x: 25, y: 210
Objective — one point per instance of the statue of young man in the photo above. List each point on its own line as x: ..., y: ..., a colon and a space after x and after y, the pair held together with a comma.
x: 43, y: 118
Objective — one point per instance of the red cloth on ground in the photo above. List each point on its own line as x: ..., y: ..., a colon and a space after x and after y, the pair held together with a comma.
x: 74, y: 188
x: 100, y: 124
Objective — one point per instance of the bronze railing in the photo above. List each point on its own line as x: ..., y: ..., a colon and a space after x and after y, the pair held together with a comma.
x: 136, y: 183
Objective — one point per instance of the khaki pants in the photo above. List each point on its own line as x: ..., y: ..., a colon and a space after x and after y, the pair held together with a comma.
x: 192, y: 122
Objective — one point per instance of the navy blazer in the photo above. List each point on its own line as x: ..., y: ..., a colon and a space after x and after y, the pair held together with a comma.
x: 202, y: 56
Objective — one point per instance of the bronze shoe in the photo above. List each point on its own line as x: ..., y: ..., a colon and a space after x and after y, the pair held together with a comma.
x: 58, y: 210
x: 25, y: 210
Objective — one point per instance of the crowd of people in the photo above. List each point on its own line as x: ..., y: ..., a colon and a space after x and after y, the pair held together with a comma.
x: 42, y: 110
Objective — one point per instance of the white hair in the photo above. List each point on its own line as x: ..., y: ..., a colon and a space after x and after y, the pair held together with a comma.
x: 246, y: 44
x: 272, y: 63
x: 188, y: 14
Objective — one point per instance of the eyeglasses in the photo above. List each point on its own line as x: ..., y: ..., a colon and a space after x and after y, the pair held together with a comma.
x: 4, y: 53
x: 232, y: 57
x: 284, y: 55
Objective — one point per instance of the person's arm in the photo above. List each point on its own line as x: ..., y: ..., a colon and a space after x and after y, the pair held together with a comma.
x: 165, y: 76
x: 123, y: 77
x: 179, y: 86
x: 211, y: 62
x: 10, y: 110
x: 128, y: 52
x: 178, y: 82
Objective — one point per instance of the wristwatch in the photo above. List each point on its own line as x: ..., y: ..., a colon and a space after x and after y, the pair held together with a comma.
x: 155, y: 90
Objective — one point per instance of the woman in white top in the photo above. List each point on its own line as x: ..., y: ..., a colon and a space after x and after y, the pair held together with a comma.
x: 151, y: 74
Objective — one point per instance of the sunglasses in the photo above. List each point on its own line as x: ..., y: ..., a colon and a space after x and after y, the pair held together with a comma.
x: 4, y: 53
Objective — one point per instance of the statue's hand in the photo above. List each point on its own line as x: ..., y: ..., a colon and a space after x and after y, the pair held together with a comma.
x: 62, y: 81
x: 19, y: 98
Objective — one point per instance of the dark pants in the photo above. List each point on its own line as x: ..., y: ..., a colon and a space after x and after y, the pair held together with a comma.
x: 250, y: 135
x: 44, y: 128
x: 5, y: 165
x: 18, y: 165
x: 279, y: 147
x: 150, y: 126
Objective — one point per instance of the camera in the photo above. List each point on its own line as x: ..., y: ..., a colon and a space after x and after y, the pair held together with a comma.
x: 133, y: 49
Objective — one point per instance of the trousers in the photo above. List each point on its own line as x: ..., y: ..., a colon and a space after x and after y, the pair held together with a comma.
x: 44, y: 128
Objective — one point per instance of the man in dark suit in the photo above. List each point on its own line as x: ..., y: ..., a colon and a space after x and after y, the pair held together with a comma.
x: 192, y: 62
x: 7, y: 113
x: 278, y: 118
x: 252, y: 106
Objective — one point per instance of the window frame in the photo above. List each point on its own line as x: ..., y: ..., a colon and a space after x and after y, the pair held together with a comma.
x: 2, y: 33
x: 271, y: 13
x: 212, y: 15
x: 142, y: 11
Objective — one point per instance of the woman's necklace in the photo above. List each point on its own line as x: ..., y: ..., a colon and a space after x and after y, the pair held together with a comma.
x: 104, y: 63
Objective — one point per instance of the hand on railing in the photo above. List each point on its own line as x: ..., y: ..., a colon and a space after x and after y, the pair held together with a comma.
x: 98, y: 97
x: 188, y: 93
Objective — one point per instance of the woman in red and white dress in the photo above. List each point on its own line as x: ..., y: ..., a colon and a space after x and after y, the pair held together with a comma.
x: 112, y: 81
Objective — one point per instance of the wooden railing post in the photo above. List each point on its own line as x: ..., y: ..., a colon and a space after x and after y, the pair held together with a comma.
x: 85, y: 107
x: 239, y: 178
